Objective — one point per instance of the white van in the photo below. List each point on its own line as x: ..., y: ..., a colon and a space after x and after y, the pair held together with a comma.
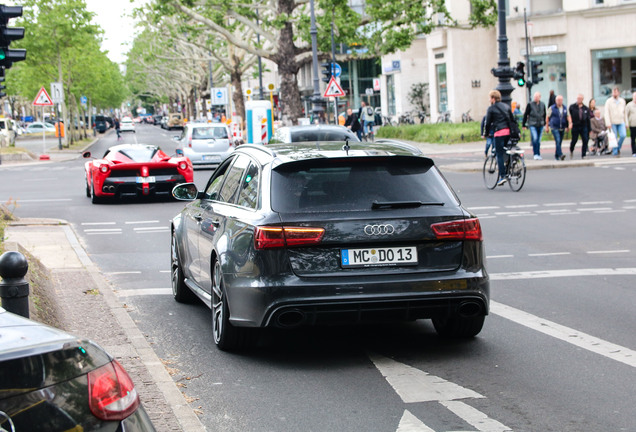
x: 6, y: 129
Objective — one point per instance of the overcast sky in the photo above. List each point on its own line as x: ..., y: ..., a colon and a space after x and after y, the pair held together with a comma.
x: 115, y: 18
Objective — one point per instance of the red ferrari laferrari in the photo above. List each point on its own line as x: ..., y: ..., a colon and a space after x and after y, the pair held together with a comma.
x: 135, y: 170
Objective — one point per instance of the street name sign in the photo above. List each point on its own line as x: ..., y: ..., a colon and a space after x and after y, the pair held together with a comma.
x: 43, y: 98
x: 333, y: 89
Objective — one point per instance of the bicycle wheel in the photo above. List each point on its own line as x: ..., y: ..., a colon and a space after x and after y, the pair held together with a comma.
x: 491, y: 172
x: 517, y: 173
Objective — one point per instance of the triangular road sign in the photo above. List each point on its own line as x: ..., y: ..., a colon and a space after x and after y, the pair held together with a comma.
x: 43, y: 98
x: 333, y: 89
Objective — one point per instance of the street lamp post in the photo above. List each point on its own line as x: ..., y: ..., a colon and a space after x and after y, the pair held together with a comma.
x: 503, y: 71
x: 316, y: 108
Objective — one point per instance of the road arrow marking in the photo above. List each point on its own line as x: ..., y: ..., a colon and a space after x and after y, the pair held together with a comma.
x: 410, y: 423
x: 475, y: 417
x: 414, y: 385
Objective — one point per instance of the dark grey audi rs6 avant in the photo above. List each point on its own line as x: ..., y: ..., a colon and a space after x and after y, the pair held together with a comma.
x: 324, y: 233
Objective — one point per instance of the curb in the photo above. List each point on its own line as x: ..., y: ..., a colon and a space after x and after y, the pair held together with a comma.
x: 183, y: 413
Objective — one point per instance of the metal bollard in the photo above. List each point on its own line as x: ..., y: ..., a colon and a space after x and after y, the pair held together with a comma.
x: 14, y: 288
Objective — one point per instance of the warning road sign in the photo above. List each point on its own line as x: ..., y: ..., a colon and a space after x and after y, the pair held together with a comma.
x: 43, y: 98
x: 333, y: 89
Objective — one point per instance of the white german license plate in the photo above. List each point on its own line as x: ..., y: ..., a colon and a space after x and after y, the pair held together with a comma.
x: 392, y: 256
x: 211, y: 158
x: 150, y: 179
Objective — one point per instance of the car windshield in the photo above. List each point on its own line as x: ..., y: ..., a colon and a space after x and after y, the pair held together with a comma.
x: 209, y: 132
x: 320, y: 135
x: 353, y: 184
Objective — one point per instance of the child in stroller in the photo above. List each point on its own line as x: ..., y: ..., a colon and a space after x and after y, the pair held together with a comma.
x: 598, y: 134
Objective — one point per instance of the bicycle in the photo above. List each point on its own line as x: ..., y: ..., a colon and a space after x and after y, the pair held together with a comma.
x: 515, y: 168
x: 369, y: 136
x: 387, y: 121
x: 406, y: 118
x: 466, y: 117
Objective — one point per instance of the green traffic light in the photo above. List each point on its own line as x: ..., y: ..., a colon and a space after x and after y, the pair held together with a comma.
x: 3, y: 55
x: 521, y: 82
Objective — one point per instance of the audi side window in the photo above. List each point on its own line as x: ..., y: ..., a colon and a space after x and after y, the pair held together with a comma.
x: 229, y: 190
x: 248, y: 193
x: 215, y: 183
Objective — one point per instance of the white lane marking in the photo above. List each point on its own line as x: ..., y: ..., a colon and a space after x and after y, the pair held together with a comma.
x: 510, y: 213
x: 610, y: 211
x: 123, y: 273
x: 410, y: 423
x: 414, y: 385
x: 566, y: 213
x: 630, y: 201
x: 609, y: 251
x: 103, y: 233
x: 559, y: 204
x: 552, y: 211
x: 549, y: 254
x: 475, y: 417
x: 98, y: 223
x: 523, y: 215
x: 522, y: 206
x: 141, y: 222
x: 151, y: 228
x: 164, y: 271
x: 29, y: 201
x: 102, y: 230
x: 487, y: 217
x: 595, y: 202
x: 484, y: 208
x: 563, y: 273
x: 144, y: 292
x: 499, y: 256
x: 566, y: 334
x: 593, y: 209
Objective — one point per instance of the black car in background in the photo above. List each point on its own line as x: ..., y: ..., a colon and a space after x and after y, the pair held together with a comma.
x: 52, y: 381
x: 101, y: 123
x: 320, y: 233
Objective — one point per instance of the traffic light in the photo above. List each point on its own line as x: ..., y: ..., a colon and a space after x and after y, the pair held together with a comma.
x: 536, y: 71
x: 520, y: 74
x: 326, y: 71
x: 8, y: 35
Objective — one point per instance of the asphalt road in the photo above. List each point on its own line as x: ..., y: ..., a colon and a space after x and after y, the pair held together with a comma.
x: 556, y: 353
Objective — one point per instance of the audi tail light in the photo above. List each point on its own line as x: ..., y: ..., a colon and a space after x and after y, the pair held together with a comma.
x: 111, y: 392
x: 277, y: 237
x: 465, y: 229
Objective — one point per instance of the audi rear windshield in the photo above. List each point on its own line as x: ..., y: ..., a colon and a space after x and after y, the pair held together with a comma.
x: 354, y: 184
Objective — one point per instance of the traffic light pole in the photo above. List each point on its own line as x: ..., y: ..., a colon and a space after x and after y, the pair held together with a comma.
x: 528, y: 82
x: 503, y: 71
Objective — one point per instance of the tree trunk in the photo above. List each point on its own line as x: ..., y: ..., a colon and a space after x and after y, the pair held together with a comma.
x: 290, y: 99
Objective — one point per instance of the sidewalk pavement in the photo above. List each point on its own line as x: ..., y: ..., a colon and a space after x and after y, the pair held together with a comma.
x: 83, y: 303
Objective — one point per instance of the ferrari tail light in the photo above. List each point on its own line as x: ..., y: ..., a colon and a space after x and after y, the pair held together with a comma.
x: 104, y: 168
x: 111, y: 392
x: 465, y: 229
x: 183, y: 166
x: 277, y: 237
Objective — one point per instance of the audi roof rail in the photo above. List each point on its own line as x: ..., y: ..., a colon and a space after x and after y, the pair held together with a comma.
x: 260, y: 147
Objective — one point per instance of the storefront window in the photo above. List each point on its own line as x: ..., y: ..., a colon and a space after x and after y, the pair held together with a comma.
x: 442, y: 88
x: 554, y: 76
x: 613, y: 68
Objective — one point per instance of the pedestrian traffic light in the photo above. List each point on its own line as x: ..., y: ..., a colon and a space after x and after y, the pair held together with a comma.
x: 520, y: 74
x: 326, y: 72
x: 8, y: 35
x: 536, y: 71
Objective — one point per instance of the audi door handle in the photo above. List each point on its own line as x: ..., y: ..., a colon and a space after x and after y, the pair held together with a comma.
x: 198, y: 218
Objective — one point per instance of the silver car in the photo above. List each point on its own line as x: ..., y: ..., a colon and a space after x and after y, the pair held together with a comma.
x: 205, y: 143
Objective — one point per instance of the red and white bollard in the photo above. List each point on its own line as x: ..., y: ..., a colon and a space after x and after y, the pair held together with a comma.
x: 264, y: 131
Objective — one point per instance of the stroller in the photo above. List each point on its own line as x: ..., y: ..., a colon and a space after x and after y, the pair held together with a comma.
x: 601, y: 144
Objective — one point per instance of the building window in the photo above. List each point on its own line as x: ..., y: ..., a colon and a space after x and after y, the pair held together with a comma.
x: 613, y: 68
x: 554, y: 76
x: 390, y: 95
x: 442, y: 88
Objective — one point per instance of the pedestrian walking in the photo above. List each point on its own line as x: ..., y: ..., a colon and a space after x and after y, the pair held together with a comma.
x: 498, y: 119
x: 615, y: 118
x: 630, y: 116
x: 487, y: 134
x: 353, y: 123
x: 557, y: 121
x: 551, y: 99
x: 117, y: 128
x: 534, y: 119
x: 579, y: 123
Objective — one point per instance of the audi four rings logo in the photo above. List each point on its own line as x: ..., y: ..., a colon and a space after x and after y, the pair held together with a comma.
x: 383, y: 229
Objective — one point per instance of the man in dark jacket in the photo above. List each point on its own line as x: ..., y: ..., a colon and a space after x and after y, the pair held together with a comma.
x: 498, y: 119
x: 579, y: 122
x: 353, y: 123
x: 534, y: 119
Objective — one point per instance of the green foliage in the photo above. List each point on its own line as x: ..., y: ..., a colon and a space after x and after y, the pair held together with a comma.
x: 418, y: 97
x: 440, y: 133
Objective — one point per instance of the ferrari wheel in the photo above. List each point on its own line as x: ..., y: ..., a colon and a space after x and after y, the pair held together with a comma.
x: 94, y: 198
x: 180, y: 291
x: 226, y: 336
x: 88, y: 190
